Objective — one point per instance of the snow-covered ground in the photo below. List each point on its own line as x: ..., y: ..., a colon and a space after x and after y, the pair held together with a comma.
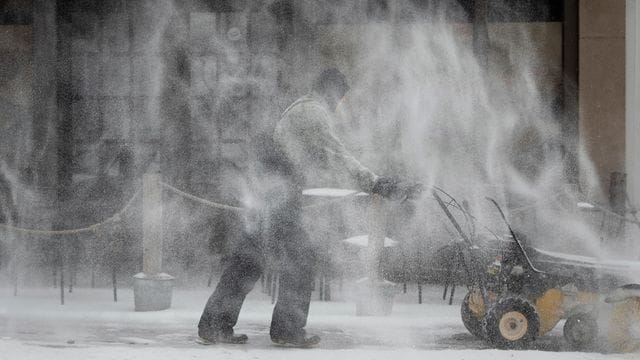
x: 91, y: 326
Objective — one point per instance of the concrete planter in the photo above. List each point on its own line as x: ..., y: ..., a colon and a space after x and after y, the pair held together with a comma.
x: 152, y: 292
x: 375, y: 299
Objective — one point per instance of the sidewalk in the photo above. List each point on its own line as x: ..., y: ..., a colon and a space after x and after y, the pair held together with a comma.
x: 91, y: 326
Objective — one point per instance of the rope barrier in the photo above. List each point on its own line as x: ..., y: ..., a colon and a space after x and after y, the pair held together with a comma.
x: 536, y: 204
x: 91, y: 228
x: 616, y: 215
x: 202, y: 201
x: 554, y: 199
x: 117, y: 216
x: 241, y: 209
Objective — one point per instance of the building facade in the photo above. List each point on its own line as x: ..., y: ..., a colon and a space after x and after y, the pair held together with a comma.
x: 96, y: 93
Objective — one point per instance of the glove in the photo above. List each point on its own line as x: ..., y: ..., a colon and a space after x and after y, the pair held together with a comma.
x: 396, y: 189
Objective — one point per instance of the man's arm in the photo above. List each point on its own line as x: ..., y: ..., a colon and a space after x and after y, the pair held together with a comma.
x: 327, y: 142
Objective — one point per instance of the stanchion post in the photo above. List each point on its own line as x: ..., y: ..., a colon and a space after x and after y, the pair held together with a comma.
x: 152, y: 288
x: 376, y: 239
x: 61, y: 250
x: 376, y: 297
x: 151, y: 224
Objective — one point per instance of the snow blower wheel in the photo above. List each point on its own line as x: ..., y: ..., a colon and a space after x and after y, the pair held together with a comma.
x: 512, y: 323
x: 472, y: 311
x: 580, y: 331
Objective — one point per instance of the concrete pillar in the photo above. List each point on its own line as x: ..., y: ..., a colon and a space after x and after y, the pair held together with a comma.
x: 632, y: 114
x: 602, y: 87
x: 481, y: 31
x: 570, y: 76
x: 44, y: 93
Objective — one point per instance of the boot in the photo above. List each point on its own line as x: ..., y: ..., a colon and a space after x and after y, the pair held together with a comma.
x: 300, y: 340
x: 221, y: 337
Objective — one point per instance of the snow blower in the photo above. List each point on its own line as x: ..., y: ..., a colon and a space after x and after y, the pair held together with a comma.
x: 518, y: 293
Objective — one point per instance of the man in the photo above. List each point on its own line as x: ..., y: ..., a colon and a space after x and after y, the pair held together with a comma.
x: 305, y: 152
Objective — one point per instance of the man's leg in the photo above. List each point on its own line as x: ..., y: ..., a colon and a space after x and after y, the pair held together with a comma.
x: 296, y: 280
x: 291, y: 310
x: 220, y: 314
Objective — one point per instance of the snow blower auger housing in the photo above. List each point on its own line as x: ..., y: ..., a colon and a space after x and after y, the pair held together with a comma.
x: 519, y: 293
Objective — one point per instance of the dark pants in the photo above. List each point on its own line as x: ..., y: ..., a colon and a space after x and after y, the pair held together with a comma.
x: 280, y: 233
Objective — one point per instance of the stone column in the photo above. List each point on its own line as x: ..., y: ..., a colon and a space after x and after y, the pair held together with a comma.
x: 632, y: 115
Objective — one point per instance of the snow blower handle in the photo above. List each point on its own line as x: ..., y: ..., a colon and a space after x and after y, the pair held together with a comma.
x: 412, y: 191
x: 395, y: 188
x: 515, y: 237
x: 453, y: 220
